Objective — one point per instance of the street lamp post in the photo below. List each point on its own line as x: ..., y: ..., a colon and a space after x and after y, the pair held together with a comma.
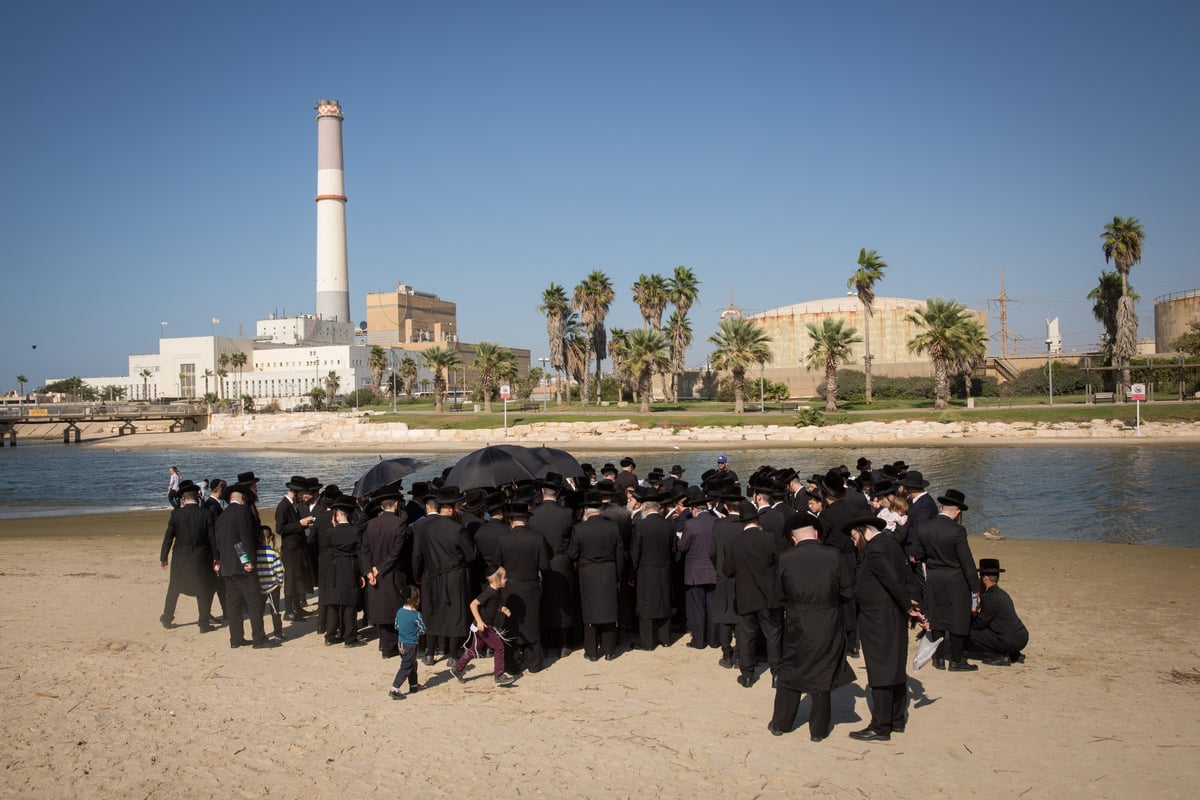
x: 1050, y: 367
x: 162, y: 329
x: 762, y: 393
x: 543, y: 360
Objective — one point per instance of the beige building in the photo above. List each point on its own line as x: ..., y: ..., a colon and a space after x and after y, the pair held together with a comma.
x: 890, y: 335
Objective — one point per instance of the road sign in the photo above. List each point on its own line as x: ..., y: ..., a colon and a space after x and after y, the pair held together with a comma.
x: 505, y: 391
x: 1137, y: 391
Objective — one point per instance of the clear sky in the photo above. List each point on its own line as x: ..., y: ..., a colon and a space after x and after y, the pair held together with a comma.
x: 161, y: 159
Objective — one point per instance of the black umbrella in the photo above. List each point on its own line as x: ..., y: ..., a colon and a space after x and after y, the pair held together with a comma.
x: 559, y: 461
x: 385, y: 472
x: 494, y: 466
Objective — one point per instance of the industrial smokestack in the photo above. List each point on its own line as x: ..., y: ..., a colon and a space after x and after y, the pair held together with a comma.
x: 333, y: 277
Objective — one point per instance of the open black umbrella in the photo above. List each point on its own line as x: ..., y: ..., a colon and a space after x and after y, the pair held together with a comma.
x: 559, y: 461
x: 494, y: 466
x: 386, y: 471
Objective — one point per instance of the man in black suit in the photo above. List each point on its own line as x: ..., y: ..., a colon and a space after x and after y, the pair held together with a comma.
x: 752, y: 562
x: 292, y: 522
x: 554, y: 523
x: 951, y: 581
x: 832, y: 521
x: 237, y: 544
x: 726, y: 529
x: 997, y: 634
x: 921, y: 507
x: 885, y: 595
x: 441, y: 560
x: 652, y: 551
x: 190, y: 530
x: 599, y: 556
x: 386, y: 558
x: 525, y: 556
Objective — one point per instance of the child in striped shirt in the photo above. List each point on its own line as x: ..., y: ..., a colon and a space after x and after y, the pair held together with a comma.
x: 269, y: 569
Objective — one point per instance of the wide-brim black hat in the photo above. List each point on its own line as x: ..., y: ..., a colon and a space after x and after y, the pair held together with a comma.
x: 247, y: 477
x: 552, y: 480
x: 863, y: 463
x: 628, y: 462
x: 475, y: 500
x: 696, y: 497
x: 344, y: 502
x: 864, y: 522
x: 186, y: 486
x: 834, y: 484
x: 517, y: 509
x: 606, y: 489
x: 592, y: 499
x: 330, y: 493
x: 747, y: 511
x: 883, y: 488
x: 953, y: 497
x: 389, y: 492
x: 298, y: 483
x: 913, y: 479
x: 677, y: 470
x: 447, y: 495
x: 244, y: 489
x: 419, y: 491
x: 312, y: 485
x: 609, y: 469
x: 989, y: 566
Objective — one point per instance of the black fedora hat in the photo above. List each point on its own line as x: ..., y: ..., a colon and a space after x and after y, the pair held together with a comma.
x: 552, y: 480
x: 517, y: 509
x: 244, y: 489
x: 494, y: 502
x: 953, y: 497
x: 247, y: 477
x: 834, y: 483
x: 592, y: 499
x: 609, y: 469
x: 447, y: 495
x: 863, y: 463
x: 913, y: 479
x: 606, y: 489
x: 330, y: 493
x: 419, y: 491
x: 989, y: 566
x: 676, y: 470
x: 747, y: 511
x: 186, y: 486
x: 298, y: 483
x: 864, y: 522
x: 389, y: 492
x: 696, y: 497
x: 628, y: 462
x: 344, y: 502
x: 883, y: 488
x: 314, y: 485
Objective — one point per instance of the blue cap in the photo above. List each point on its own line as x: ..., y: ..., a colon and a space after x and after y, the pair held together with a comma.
x: 721, y: 459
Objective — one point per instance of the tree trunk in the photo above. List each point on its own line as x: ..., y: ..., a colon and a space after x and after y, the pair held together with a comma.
x: 487, y: 398
x: 1125, y: 348
x: 941, y: 384
x: 644, y: 389
x: 867, y: 351
x: 739, y: 393
x: 830, y: 388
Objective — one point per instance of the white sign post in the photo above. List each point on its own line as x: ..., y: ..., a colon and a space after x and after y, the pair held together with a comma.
x: 505, y: 394
x: 1137, y: 393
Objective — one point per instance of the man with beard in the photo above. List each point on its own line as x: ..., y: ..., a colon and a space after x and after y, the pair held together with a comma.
x: 885, y: 599
x: 441, y: 560
x: 652, y: 551
x: 322, y: 527
x: 190, y: 529
x: 997, y: 634
x: 292, y: 522
x: 921, y: 508
x: 815, y: 580
x: 525, y: 556
x: 753, y: 562
x: 951, y: 582
x: 386, y: 554
x: 599, y: 555
x: 554, y: 523
x: 237, y: 543
x: 487, y: 538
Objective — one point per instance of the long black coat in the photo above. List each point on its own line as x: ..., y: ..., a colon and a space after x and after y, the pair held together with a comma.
x: 884, y: 596
x: 815, y: 581
x: 950, y: 576
x: 487, y: 541
x: 997, y: 625
x: 387, y: 546
x: 695, y: 545
x: 753, y: 563
x: 190, y: 529
x: 597, y: 551
x: 525, y: 556
x: 921, y: 510
x: 724, y: 531
x: 554, y: 523
x: 443, y: 553
x: 235, y: 527
x: 339, y: 583
x: 652, y: 551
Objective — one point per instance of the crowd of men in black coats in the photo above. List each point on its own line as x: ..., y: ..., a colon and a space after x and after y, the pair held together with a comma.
x: 801, y: 572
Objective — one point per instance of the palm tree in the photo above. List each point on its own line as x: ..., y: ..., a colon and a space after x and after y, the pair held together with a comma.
x: 739, y: 342
x: 679, y: 334
x: 317, y: 395
x: 950, y: 335
x: 575, y: 354
x: 651, y: 294
x: 332, y: 384
x: 618, y: 351
x: 238, y: 360
x: 830, y: 349
x: 208, y: 373
x: 21, y: 381
x: 492, y: 364
x: 646, y: 353
x: 557, y: 308
x: 1106, y: 298
x: 408, y: 373
x: 592, y: 298
x: 870, y: 271
x: 223, y: 372
x: 683, y: 289
x: 440, y: 360
x: 145, y: 376
x: 1123, y: 239
x: 377, y: 360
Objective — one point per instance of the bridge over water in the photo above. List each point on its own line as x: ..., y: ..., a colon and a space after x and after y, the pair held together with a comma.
x: 126, y: 417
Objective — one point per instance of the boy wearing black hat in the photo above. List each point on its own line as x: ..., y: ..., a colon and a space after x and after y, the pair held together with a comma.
x: 997, y: 634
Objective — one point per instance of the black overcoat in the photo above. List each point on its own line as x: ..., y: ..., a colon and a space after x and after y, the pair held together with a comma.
x: 950, y: 576
x: 339, y: 584
x: 235, y: 527
x: 652, y: 551
x: 443, y: 553
x: 525, y: 556
x: 597, y: 551
x: 725, y: 530
x: 997, y: 625
x: 387, y: 546
x: 753, y: 563
x: 815, y: 581
x: 696, y: 545
x: 487, y: 541
x: 554, y: 523
x: 190, y: 529
x: 884, y: 596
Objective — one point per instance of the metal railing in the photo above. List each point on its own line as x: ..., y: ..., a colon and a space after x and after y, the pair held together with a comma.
x: 1166, y: 298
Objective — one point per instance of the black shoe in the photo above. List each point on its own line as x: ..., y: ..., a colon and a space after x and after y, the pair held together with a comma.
x: 278, y: 637
x: 870, y: 735
x: 818, y: 737
x: 266, y: 644
x: 166, y: 623
x: 236, y: 645
x: 997, y: 661
x: 962, y: 666
x: 610, y: 656
x: 355, y: 642
x: 774, y: 678
x: 289, y: 617
x: 726, y: 662
x: 854, y: 651
x: 745, y: 681
x: 332, y: 640
x: 217, y: 620
x: 428, y: 660
x: 394, y: 693
x: 457, y: 673
x: 939, y: 662
x: 591, y: 657
x: 504, y: 680
x: 696, y: 645
x: 774, y: 731
x: 206, y: 628
x: 563, y: 653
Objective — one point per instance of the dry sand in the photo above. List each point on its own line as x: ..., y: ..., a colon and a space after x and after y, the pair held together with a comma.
x: 100, y: 701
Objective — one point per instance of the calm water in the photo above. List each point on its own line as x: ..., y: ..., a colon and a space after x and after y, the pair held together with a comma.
x: 1127, y: 493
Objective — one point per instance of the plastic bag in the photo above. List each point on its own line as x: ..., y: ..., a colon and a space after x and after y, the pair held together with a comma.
x: 925, y: 650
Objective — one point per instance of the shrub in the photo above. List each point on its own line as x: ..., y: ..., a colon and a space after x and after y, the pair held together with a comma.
x: 810, y: 417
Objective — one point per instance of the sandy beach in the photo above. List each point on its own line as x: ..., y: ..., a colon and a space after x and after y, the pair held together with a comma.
x: 100, y: 701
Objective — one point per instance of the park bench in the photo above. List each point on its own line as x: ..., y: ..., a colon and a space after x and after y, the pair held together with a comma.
x: 1109, y: 396
x: 455, y: 406
x: 531, y: 406
x: 789, y: 405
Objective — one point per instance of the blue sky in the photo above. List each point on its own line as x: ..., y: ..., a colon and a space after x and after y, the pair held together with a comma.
x: 162, y: 159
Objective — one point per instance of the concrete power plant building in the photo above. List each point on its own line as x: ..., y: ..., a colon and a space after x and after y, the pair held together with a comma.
x: 1173, y: 313
x: 890, y: 335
